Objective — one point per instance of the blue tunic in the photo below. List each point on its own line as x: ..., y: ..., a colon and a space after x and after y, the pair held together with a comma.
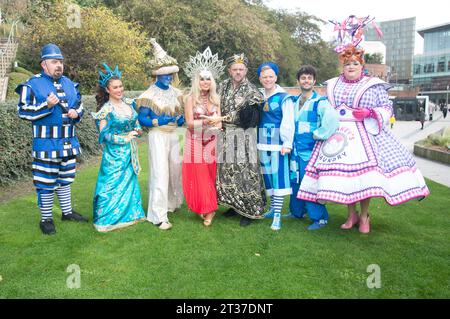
x: 117, y: 199
x: 53, y: 131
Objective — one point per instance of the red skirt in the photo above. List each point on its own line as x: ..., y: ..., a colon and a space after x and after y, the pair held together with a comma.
x: 199, y: 172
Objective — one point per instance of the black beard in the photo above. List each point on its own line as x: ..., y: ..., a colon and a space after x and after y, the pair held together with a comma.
x: 57, y: 76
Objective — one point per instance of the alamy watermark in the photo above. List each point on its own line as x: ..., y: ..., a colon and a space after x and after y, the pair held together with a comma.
x: 233, y: 145
x: 73, y: 16
x: 74, y: 279
x: 374, y: 279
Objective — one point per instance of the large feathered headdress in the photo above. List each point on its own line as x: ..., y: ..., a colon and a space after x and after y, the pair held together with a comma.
x: 203, y: 63
x: 350, y: 31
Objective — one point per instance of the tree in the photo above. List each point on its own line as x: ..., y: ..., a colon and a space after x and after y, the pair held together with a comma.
x: 375, y: 58
x: 103, y: 37
x: 184, y: 26
x: 304, y: 31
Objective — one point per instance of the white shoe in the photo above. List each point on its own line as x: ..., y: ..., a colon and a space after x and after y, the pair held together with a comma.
x: 165, y: 226
x: 276, y: 224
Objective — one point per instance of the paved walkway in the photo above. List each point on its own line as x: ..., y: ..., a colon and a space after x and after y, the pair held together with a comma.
x: 408, y: 132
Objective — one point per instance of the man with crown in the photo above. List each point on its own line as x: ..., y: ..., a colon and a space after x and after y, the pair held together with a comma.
x: 239, y: 182
x: 160, y: 110
x: 53, y: 104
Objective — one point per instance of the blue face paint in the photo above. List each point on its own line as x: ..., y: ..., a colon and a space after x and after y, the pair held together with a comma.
x: 163, y: 81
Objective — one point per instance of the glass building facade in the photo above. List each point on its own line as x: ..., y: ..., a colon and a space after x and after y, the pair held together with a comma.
x: 432, y: 68
x: 399, y: 39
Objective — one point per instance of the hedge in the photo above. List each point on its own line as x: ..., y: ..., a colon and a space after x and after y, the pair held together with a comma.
x: 19, y: 69
x: 15, y: 140
x: 16, y: 77
x: 14, y: 80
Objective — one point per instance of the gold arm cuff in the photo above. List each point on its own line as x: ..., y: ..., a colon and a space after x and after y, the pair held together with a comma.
x: 155, y: 122
x: 227, y: 118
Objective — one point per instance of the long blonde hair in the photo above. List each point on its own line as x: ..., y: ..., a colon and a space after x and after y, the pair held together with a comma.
x: 195, y: 91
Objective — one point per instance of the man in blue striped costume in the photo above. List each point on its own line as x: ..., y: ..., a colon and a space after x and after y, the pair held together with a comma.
x: 275, y: 136
x: 315, y: 120
x: 52, y: 103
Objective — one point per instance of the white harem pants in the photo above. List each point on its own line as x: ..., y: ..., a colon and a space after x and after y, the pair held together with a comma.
x: 165, y: 186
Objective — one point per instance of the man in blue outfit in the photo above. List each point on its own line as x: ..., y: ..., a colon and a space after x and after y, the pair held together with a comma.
x: 275, y: 137
x: 315, y: 120
x: 52, y: 103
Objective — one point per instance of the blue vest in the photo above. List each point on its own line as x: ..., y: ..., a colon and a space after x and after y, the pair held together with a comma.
x: 270, y: 120
x: 304, y: 141
x: 54, y: 134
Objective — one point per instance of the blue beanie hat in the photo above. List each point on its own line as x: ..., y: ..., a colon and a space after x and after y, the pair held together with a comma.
x: 271, y: 65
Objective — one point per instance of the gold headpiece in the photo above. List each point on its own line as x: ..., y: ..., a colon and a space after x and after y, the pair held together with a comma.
x: 162, y: 63
x: 237, y: 58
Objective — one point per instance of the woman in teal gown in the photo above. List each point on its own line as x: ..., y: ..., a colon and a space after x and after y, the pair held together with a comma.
x: 117, y: 199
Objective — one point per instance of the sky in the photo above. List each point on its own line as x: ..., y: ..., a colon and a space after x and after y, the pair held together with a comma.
x: 427, y: 12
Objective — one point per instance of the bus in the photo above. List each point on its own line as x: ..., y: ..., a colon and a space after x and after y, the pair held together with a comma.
x: 406, y: 108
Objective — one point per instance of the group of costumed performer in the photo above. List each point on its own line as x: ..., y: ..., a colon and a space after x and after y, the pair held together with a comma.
x: 160, y: 110
x: 362, y: 159
x: 52, y: 103
x: 117, y: 198
x: 203, y: 120
x: 336, y: 149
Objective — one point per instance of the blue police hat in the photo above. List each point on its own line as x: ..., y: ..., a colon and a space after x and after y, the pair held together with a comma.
x: 271, y: 65
x: 51, y: 51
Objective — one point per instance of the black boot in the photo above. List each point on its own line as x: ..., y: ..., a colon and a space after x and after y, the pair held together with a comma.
x: 230, y: 213
x: 74, y: 216
x: 47, y: 227
x: 245, y: 221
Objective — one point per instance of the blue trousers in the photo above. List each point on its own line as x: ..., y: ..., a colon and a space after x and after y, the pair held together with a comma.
x: 298, y: 207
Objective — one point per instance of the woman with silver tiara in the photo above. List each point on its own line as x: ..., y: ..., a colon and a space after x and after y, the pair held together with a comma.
x: 117, y: 199
x: 362, y: 159
x: 202, y: 114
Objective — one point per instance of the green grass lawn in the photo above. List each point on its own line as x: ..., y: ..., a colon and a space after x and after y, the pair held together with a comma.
x: 410, y: 244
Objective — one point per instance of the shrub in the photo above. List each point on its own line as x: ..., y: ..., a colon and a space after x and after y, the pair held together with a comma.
x: 438, y: 139
x: 102, y: 37
x: 24, y: 71
x: 15, y: 79
x: 15, y: 145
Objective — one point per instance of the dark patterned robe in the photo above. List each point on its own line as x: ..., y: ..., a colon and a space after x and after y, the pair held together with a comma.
x: 239, y: 181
